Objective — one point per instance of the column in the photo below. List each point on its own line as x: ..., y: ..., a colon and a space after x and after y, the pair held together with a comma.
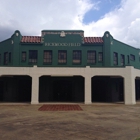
x: 87, y: 89
x: 129, y: 87
x: 35, y: 89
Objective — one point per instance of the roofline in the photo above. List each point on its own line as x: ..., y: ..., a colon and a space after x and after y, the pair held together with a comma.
x: 63, y: 30
x: 5, y: 40
x: 127, y: 44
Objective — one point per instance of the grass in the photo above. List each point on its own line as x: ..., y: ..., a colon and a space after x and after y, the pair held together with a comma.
x: 137, y: 138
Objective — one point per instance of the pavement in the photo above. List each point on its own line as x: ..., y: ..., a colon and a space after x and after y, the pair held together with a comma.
x: 97, y: 121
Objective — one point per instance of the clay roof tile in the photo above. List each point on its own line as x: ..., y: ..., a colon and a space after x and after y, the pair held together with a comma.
x: 31, y: 39
x: 92, y: 40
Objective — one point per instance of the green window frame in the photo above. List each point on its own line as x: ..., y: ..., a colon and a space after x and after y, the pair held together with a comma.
x: 47, y: 57
x: 62, y: 57
x: 122, y: 60
x: 77, y: 56
x: 100, y: 56
x: 33, y: 54
x: 23, y: 56
x: 9, y: 57
x: 132, y: 57
x: 115, y: 58
x: 91, y: 57
x: 6, y: 58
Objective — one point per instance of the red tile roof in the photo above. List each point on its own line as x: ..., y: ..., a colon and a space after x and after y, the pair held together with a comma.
x: 37, y: 39
x: 31, y: 39
x: 92, y: 40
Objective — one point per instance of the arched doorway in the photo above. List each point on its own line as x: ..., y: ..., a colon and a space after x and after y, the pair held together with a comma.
x: 61, y: 89
x: 107, y: 89
x: 137, y: 88
x: 15, y: 88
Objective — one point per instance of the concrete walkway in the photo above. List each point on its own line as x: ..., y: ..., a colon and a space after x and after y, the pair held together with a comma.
x: 97, y: 121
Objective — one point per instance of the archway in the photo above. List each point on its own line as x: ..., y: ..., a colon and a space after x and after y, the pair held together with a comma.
x: 61, y: 89
x: 15, y: 88
x: 107, y: 89
x: 137, y: 88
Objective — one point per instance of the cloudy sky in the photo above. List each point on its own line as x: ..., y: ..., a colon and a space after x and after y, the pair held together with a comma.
x: 120, y: 17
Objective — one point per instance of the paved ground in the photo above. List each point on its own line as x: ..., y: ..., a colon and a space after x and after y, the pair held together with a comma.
x: 95, y: 122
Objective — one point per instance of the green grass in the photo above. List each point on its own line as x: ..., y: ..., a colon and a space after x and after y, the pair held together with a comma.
x: 137, y: 138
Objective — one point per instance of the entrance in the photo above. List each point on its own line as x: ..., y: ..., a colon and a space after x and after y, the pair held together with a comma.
x: 62, y: 90
x: 137, y: 88
x: 1, y: 90
x: 107, y: 89
x: 15, y: 88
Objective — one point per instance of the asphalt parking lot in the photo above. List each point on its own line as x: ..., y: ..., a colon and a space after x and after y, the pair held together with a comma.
x: 94, y: 122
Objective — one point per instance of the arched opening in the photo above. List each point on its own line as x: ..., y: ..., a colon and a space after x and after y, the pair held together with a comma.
x: 137, y: 88
x: 107, y: 89
x: 15, y: 88
x: 61, y: 89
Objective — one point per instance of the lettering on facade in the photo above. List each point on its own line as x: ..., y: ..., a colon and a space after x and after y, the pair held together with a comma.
x: 62, y: 44
x: 63, y: 34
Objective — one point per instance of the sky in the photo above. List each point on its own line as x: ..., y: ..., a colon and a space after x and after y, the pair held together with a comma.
x: 120, y: 17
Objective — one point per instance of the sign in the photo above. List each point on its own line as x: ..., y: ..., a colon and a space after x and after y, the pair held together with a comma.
x: 62, y: 44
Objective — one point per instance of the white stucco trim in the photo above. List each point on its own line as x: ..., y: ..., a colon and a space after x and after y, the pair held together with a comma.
x: 35, y: 89
x: 128, y: 73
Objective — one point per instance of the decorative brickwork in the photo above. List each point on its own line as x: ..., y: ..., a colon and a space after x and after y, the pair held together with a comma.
x: 60, y: 108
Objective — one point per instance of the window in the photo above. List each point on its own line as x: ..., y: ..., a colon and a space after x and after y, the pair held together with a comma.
x: 76, y: 57
x: 62, y: 56
x: 128, y: 59
x: 33, y: 56
x: 100, y: 56
x: 91, y: 57
x: 115, y: 58
x: 6, y: 58
x: 47, y: 57
x: 23, y: 57
x: 122, y: 60
x: 132, y: 57
x: 9, y: 57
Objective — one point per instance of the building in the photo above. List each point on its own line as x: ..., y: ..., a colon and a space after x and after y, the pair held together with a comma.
x: 65, y: 66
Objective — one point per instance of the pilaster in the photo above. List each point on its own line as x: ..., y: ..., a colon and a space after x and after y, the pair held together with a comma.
x: 129, y: 86
x: 87, y: 86
x: 35, y: 89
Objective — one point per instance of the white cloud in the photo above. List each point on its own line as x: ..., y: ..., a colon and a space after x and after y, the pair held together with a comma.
x: 123, y: 23
x: 30, y: 17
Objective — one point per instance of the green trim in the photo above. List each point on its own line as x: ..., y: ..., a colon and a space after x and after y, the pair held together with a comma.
x: 14, y: 46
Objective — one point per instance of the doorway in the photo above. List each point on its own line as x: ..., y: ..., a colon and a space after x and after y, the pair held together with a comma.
x: 62, y: 90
